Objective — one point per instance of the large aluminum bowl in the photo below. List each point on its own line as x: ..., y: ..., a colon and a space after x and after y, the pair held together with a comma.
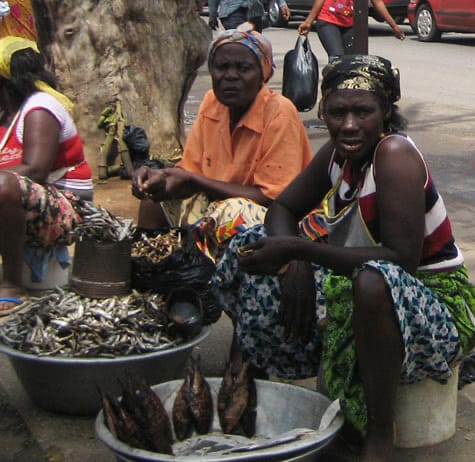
x: 70, y: 385
x: 281, y: 408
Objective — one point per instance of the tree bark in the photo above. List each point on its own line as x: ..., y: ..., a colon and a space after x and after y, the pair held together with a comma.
x: 146, y: 53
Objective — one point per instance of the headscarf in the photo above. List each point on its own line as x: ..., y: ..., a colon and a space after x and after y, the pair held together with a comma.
x: 253, y: 40
x: 10, y: 45
x: 360, y: 72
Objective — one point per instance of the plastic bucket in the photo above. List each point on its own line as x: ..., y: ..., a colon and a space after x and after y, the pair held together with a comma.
x: 425, y: 412
x: 101, y: 269
x: 56, y: 276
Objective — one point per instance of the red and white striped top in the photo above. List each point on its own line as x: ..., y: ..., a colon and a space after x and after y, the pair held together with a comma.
x: 439, y: 250
x: 70, y: 149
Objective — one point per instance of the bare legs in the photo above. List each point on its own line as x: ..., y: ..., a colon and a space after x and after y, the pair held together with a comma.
x: 151, y: 215
x: 380, y: 352
x: 12, y: 238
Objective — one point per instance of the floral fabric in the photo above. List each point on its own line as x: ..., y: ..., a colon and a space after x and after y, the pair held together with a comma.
x: 51, y: 214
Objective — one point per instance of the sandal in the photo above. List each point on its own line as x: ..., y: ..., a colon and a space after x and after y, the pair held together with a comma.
x: 18, y: 303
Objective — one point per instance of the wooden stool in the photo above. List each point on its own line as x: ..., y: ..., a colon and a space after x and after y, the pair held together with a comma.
x: 425, y: 412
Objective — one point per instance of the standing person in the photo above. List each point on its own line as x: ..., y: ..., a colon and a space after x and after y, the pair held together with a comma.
x: 232, y: 13
x: 20, y: 21
x: 247, y: 143
x: 335, y: 24
x: 41, y: 162
x: 387, y: 299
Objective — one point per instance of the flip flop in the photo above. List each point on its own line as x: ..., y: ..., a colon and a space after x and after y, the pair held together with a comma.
x: 19, y: 302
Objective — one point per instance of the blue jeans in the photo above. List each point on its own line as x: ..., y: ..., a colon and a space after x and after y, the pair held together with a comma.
x: 235, y: 19
x: 335, y: 39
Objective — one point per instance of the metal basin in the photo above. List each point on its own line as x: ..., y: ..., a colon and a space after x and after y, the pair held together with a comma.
x: 69, y: 385
x: 282, y: 408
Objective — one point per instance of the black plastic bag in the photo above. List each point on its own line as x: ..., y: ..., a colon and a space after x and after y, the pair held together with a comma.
x: 136, y: 140
x: 300, y: 77
x: 187, y: 267
x: 137, y: 143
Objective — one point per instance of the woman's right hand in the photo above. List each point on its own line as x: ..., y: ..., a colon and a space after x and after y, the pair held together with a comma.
x: 305, y: 28
x: 147, y: 181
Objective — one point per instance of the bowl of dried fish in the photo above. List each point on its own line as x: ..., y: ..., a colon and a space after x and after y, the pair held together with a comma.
x: 291, y: 423
x: 64, y: 346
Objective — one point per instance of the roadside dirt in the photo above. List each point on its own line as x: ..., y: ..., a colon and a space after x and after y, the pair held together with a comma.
x: 114, y: 195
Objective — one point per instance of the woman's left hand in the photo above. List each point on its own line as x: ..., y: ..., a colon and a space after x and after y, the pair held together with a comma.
x: 261, y: 257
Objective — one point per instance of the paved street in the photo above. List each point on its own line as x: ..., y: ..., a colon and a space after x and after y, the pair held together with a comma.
x: 438, y: 98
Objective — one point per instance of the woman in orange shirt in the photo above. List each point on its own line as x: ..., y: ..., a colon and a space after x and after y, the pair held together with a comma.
x: 246, y: 145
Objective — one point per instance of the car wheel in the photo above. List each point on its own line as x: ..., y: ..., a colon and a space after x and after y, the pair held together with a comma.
x: 275, y: 16
x: 426, y: 28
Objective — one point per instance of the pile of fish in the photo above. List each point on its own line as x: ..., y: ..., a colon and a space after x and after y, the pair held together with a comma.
x: 101, y: 225
x: 64, y: 323
x: 142, y: 422
x: 156, y: 248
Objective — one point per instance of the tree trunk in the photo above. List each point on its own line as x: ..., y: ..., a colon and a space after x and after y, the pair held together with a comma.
x: 146, y: 53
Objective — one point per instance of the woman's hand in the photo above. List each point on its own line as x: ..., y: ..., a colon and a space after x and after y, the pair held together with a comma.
x: 163, y: 184
x: 305, y: 27
x: 261, y: 257
x: 147, y: 181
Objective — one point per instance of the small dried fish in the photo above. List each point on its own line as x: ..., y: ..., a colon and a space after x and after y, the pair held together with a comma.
x: 64, y: 323
x: 99, y: 224
x: 158, y: 247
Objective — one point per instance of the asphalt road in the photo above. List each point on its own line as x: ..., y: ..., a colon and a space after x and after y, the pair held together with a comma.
x: 438, y: 98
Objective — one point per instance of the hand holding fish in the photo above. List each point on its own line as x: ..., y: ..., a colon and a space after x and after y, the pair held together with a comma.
x: 269, y: 255
x: 147, y: 181
x: 163, y: 184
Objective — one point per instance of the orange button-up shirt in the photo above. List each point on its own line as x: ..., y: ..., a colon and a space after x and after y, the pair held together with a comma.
x: 268, y: 148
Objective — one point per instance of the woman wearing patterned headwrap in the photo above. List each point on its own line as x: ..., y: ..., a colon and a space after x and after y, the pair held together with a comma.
x: 41, y: 161
x: 245, y: 146
x: 387, y: 298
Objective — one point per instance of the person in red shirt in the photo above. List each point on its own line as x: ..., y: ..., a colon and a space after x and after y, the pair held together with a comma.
x: 335, y: 24
x: 41, y: 164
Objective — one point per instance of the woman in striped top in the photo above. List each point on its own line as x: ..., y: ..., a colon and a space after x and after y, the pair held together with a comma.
x: 387, y: 299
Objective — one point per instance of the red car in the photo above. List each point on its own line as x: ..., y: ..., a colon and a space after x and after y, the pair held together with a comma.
x: 429, y: 18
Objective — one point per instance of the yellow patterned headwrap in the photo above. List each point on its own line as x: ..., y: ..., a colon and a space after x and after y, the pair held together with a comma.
x: 360, y: 72
x: 10, y: 45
